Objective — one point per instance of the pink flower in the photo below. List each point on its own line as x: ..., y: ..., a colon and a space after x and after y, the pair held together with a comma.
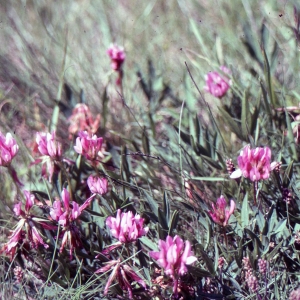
x: 8, y: 149
x: 124, y: 275
x: 97, y: 185
x: 65, y: 216
x: 27, y: 227
x: 117, y: 56
x: 217, y: 84
x: 173, y: 256
x: 82, y: 120
x: 219, y: 213
x: 295, y: 294
x: 254, y: 163
x: 126, y: 227
x: 48, y: 145
x: 88, y: 146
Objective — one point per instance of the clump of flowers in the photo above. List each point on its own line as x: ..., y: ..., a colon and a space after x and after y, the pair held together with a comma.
x: 262, y: 266
x: 217, y: 84
x: 295, y: 295
x: 126, y: 227
x: 88, y: 145
x: 97, y: 185
x: 65, y: 215
x: 219, y: 213
x: 254, y: 164
x: 173, y: 256
x: 83, y: 120
x: 8, y: 149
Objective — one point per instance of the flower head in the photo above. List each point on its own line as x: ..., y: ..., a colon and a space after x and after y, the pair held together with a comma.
x: 8, y: 149
x: 97, y: 185
x: 87, y: 145
x: 126, y: 227
x: 48, y: 145
x: 254, y: 164
x: 117, y: 56
x: 295, y: 294
x: 217, y: 84
x: 83, y: 120
x: 219, y: 213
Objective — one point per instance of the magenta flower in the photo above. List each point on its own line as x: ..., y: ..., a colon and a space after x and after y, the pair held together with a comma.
x: 117, y: 56
x: 8, y: 149
x: 48, y: 145
x: 126, y: 227
x: 27, y: 227
x: 254, y: 164
x: 217, y: 84
x: 65, y: 216
x: 173, y: 256
x: 219, y: 213
x: 97, y: 185
x: 124, y: 275
x: 88, y: 146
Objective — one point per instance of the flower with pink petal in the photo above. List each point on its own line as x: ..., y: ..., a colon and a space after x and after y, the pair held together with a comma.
x: 219, y: 213
x: 83, y: 120
x: 117, y: 56
x: 254, y: 164
x: 217, y: 84
x: 65, y: 215
x: 173, y: 256
x: 88, y: 146
x: 126, y: 227
x: 8, y: 149
x: 97, y: 185
x: 124, y: 274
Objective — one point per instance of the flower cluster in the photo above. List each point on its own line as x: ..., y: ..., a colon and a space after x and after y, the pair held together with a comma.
x: 217, y: 84
x: 254, y: 164
x: 117, y: 56
x: 87, y: 145
x: 126, y: 227
x: 219, y: 213
x: 97, y: 185
x: 173, y: 256
x: 8, y: 149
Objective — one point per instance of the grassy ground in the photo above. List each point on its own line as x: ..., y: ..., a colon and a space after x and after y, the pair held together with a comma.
x: 53, y: 55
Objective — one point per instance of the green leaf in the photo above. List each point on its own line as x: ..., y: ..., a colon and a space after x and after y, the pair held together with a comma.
x: 152, y: 203
x: 166, y: 207
x: 281, y: 225
x: 198, y: 272
x: 245, y: 212
x: 234, y: 127
x: 288, y: 174
x: 246, y: 116
x: 209, y: 263
x: 173, y: 222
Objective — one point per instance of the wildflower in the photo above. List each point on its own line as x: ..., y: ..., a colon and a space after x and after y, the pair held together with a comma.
x: 18, y: 272
x: 82, y: 120
x: 117, y: 56
x: 254, y: 164
x: 252, y: 283
x: 50, y: 150
x: 173, y: 256
x: 65, y: 216
x: 8, y: 149
x: 26, y: 227
x: 88, y: 146
x: 217, y: 84
x: 221, y: 262
x: 97, y: 185
x: 219, y: 213
x: 126, y: 227
x: 124, y: 275
x: 230, y: 166
x: 295, y: 295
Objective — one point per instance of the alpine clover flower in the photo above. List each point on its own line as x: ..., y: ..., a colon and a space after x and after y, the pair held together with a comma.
x: 65, y: 216
x: 254, y: 164
x: 26, y: 228
x: 88, y: 145
x: 124, y: 275
x: 51, y: 151
x: 219, y: 213
x: 83, y: 120
x: 173, y: 256
x: 117, y: 56
x: 97, y: 185
x: 217, y: 84
x: 8, y: 149
x: 126, y: 227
